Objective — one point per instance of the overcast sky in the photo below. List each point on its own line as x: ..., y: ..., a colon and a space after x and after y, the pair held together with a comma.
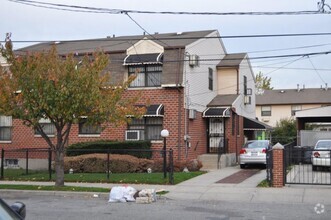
x: 31, y: 23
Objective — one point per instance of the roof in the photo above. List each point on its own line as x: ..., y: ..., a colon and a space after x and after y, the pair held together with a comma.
x: 294, y: 96
x: 314, y: 112
x: 255, y: 125
x: 232, y: 60
x: 223, y: 100
x: 122, y: 43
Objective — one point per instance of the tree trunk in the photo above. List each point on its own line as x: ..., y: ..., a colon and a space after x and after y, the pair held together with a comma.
x: 59, y: 167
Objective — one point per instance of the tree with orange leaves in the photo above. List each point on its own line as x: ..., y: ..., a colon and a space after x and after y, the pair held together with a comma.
x: 44, y: 85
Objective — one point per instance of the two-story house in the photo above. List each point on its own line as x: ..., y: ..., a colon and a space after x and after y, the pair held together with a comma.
x: 202, y: 95
x: 274, y: 105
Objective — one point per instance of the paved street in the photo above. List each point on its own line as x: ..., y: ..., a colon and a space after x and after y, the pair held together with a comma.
x: 82, y: 207
x: 202, y: 197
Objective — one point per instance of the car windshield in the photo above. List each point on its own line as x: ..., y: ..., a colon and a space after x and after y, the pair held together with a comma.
x: 323, y: 145
x: 257, y: 144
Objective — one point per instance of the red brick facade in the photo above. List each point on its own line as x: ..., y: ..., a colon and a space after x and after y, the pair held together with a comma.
x: 234, y: 133
x: 174, y: 121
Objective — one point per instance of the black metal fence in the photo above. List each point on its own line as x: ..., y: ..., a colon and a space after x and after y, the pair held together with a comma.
x: 304, y: 165
x: 269, y: 166
x: 32, y: 160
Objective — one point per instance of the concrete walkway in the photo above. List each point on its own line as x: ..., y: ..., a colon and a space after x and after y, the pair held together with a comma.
x: 205, y: 188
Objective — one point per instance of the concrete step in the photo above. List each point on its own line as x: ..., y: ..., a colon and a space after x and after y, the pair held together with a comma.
x: 215, y: 161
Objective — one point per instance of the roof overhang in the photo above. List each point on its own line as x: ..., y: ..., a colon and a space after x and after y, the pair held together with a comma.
x: 154, y: 111
x: 216, y: 112
x: 255, y: 125
x: 140, y: 59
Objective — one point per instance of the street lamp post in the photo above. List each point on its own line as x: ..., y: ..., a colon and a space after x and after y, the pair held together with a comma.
x: 164, y: 134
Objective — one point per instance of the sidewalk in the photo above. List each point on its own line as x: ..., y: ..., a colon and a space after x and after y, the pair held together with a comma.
x: 205, y: 188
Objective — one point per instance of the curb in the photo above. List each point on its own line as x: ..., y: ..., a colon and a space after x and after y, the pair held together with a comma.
x: 22, y: 193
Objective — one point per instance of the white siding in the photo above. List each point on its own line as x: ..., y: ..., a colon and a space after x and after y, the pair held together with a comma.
x: 246, y: 110
x: 145, y: 46
x: 227, y: 81
x: 196, y: 78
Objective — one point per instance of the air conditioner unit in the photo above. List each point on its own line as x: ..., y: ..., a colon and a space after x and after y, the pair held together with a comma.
x: 134, y: 135
x: 266, y: 119
x: 247, y: 100
x: 193, y: 60
x: 192, y: 114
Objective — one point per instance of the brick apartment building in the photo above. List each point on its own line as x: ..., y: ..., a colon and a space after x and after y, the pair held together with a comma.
x: 204, y: 96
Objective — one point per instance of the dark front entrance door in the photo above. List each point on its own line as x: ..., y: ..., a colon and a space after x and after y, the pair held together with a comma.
x: 216, y: 135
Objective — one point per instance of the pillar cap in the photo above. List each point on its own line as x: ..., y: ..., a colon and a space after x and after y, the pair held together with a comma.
x: 278, y: 146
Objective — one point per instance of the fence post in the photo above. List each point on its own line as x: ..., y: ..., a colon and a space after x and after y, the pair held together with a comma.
x: 50, y: 163
x: 278, y: 177
x: 27, y: 161
x: 2, y: 162
x: 108, y: 163
x: 171, y: 166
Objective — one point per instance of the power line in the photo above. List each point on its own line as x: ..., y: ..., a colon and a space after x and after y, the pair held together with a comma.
x: 179, y: 38
x: 322, y: 9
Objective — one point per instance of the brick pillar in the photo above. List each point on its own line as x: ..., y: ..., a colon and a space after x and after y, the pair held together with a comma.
x: 278, y: 165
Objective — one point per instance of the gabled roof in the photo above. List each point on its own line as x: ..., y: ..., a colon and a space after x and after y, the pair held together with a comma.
x: 223, y: 100
x: 232, y: 60
x: 294, y: 96
x: 122, y: 43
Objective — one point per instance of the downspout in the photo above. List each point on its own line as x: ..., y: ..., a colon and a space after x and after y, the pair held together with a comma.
x: 179, y: 108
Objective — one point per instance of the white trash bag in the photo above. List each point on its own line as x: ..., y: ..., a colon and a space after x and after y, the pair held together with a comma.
x: 122, y: 194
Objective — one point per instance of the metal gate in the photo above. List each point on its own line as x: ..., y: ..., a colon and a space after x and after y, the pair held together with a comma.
x: 216, y: 135
x: 298, y: 168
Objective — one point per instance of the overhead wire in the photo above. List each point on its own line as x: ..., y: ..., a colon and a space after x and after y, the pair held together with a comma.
x: 322, y: 9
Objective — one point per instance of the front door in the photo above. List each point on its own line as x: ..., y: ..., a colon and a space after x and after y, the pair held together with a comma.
x: 216, y: 135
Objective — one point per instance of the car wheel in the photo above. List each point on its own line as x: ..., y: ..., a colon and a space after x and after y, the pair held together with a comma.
x: 314, y: 168
x: 242, y: 166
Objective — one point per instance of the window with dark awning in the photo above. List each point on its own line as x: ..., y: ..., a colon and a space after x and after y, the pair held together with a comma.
x: 155, y: 111
x: 253, y: 124
x: 138, y: 59
x: 216, y: 112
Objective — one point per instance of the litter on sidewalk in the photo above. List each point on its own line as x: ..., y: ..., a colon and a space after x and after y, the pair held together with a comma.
x: 130, y: 194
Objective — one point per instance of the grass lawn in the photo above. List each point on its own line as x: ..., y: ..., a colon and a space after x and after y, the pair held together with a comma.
x: 121, y: 178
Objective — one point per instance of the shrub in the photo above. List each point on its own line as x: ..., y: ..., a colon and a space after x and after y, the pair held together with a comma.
x: 117, y: 147
x: 191, y: 165
x: 97, y: 163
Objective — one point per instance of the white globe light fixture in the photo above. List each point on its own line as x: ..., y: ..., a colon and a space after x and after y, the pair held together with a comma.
x: 164, y: 133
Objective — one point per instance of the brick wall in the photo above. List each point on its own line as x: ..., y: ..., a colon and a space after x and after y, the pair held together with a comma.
x: 234, y: 132
x: 174, y: 121
x: 278, y: 166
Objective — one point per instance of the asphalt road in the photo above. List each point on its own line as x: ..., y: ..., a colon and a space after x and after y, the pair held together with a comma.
x: 83, y: 207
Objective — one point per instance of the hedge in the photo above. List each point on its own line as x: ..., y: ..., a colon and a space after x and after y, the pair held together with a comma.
x: 97, y: 163
x: 118, y: 147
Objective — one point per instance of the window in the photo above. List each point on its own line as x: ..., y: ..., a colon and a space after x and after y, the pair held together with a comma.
x: 210, y: 79
x: 11, y: 163
x: 47, y: 126
x: 295, y: 108
x: 146, y: 75
x: 88, y: 129
x: 266, y: 110
x: 245, y: 85
x: 5, y: 128
x: 151, y: 127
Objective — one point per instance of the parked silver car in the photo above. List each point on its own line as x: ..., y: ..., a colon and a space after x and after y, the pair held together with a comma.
x: 321, y: 154
x: 254, y: 152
